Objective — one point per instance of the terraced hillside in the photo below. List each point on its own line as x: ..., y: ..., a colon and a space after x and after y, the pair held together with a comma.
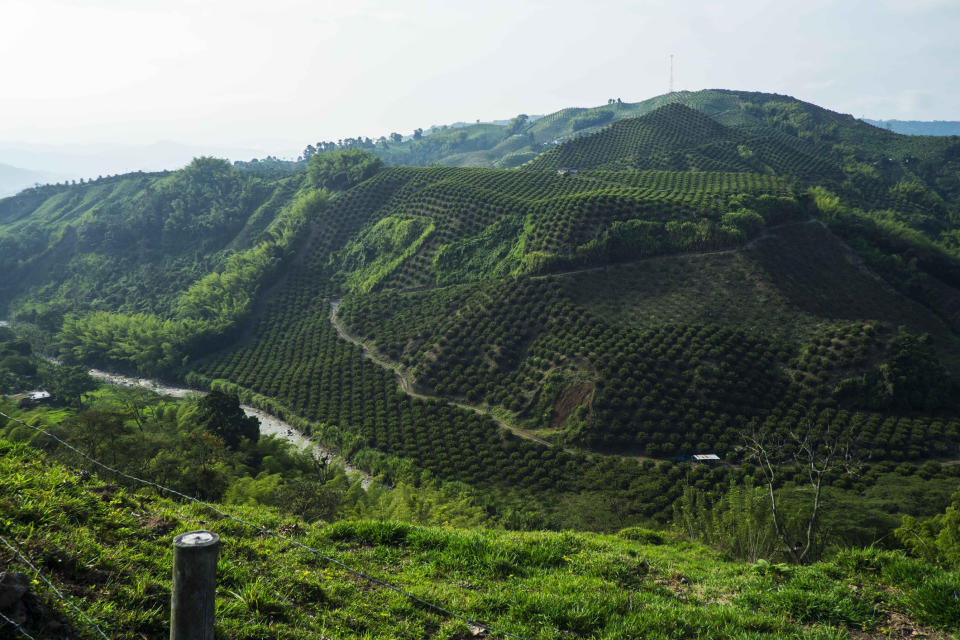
x: 660, y: 357
x: 677, y: 137
x: 726, y: 262
x: 667, y: 356
x: 623, y: 311
x: 295, y: 356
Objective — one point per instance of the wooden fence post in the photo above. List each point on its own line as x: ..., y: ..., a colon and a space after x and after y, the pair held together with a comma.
x: 194, y: 585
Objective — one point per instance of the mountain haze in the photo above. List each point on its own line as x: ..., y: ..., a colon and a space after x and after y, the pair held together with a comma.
x: 13, y: 179
x: 919, y: 128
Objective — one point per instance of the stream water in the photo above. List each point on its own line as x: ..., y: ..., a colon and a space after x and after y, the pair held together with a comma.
x: 269, y: 424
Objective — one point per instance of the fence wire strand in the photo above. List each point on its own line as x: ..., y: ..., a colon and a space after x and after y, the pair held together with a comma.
x: 269, y: 533
x: 23, y: 558
x: 16, y: 626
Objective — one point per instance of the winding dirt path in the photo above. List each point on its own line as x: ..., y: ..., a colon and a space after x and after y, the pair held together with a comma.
x: 407, y: 385
x: 406, y: 382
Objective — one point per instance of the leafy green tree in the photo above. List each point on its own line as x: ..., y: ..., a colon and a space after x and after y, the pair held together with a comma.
x: 937, y: 539
x: 97, y: 431
x: 516, y: 125
x: 340, y: 170
x: 67, y: 384
x: 219, y: 413
x: 18, y: 364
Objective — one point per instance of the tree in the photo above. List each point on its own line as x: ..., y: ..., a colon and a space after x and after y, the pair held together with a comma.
x: 818, y: 454
x: 516, y: 125
x: 911, y: 378
x: 417, y: 134
x: 396, y: 138
x: 67, y: 384
x: 340, y: 170
x: 97, y: 431
x: 138, y: 404
x: 220, y: 414
x: 18, y: 364
x: 936, y: 540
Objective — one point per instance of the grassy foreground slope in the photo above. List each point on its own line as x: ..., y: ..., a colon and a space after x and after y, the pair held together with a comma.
x: 109, y: 551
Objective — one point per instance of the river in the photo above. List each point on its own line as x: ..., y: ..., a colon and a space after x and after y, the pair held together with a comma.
x: 269, y: 424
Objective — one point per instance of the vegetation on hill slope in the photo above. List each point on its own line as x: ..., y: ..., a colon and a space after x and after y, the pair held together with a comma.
x: 108, y: 550
x: 128, y: 243
x: 144, y: 272
x: 658, y: 312
x: 779, y: 322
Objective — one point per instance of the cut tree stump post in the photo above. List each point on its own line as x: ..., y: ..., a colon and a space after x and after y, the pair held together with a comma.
x: 194, y: 585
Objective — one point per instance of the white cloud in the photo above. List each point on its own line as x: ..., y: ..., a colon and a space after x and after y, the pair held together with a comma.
x: 918, y: 6
x: 248, y: 72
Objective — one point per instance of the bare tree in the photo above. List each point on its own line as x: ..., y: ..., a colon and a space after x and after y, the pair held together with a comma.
x: 815, y: 450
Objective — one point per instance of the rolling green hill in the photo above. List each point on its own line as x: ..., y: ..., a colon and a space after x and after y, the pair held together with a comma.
x: 539, y: 347
x: 718, y: 262
x: 677, y: 137
x: 131, y: 242
x: 743, y: 300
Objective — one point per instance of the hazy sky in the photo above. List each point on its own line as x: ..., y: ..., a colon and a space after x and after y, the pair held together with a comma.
x: 277, y: 74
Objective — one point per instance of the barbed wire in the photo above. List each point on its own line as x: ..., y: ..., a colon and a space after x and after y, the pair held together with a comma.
x: 16, y: 625
x: 269, y: 533
x: 23, y: 558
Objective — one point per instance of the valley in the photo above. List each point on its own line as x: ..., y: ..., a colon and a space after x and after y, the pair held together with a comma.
x: 513, y: 339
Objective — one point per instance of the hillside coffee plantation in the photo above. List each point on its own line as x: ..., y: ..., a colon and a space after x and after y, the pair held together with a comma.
x: 682, y: 368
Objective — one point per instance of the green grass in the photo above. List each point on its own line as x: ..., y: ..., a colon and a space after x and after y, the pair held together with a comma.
x: 110, y: 551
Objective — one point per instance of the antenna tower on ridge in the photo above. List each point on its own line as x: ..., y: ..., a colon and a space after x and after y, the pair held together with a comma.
x: 671, y: 73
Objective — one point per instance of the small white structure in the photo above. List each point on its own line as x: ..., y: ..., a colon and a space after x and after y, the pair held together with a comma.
x: 706, y: 457
x: 31, y: 398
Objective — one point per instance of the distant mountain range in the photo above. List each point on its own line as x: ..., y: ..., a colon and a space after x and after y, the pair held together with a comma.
x: 919, y: 127
x: 56, y: 163
x: 483, y: 144
x: 14, y: 179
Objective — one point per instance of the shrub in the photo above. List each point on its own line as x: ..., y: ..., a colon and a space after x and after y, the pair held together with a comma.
x: 641, y: 535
